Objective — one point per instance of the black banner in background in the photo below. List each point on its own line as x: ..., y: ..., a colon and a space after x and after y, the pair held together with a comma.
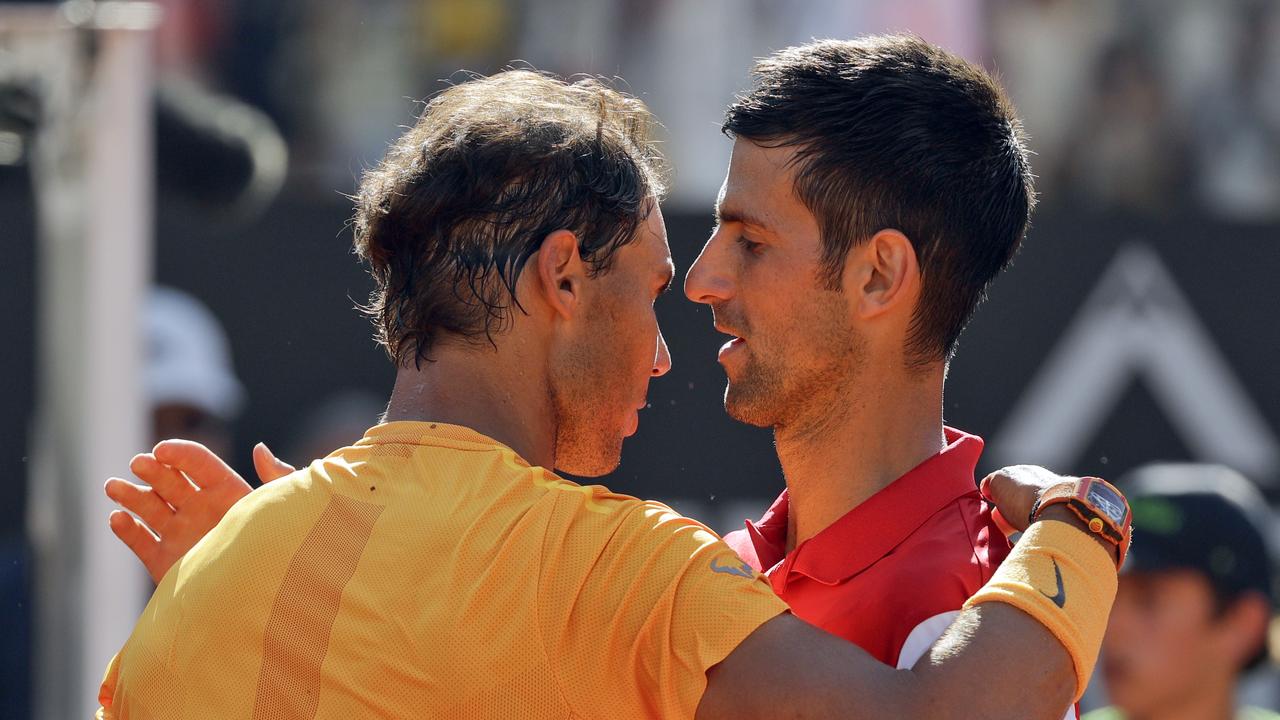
x: 1111, y: 342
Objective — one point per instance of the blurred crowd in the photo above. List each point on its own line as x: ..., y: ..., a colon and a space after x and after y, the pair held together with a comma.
x: 1149, y: 104
x: 1130, y: 104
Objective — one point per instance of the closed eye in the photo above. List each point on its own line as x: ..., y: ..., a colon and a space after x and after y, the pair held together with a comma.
x: 750, y: 246
x: 666, y: 285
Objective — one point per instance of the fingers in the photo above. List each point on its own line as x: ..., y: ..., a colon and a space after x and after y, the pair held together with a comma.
x: 195, y: 461
x: 1013, y: 499
x: 1015, y: 489
x: 142, y: 501
x: 994, y: 485
x: 1033, y: 475
x: 268, y: 466
x: 171, y: 485
x: 135, y: 535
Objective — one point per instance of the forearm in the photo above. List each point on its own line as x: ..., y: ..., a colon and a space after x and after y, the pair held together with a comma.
x: 1026, y: 666
x: 996, y: 661
x: 807, y: 673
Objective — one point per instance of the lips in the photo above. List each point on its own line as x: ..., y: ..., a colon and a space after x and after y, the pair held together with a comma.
x: 726, y: 330
x: 633, y: 420
x: 726, y: 322
x: 731, y: 348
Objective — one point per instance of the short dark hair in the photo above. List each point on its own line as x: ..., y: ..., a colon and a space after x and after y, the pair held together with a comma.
x: 892, y: 132
x: 463, y: 199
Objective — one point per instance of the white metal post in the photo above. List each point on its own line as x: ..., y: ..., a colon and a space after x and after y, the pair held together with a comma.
x: 94, y: 175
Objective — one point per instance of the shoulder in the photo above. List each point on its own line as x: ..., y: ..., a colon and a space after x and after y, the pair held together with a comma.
x: 590, y: 531
x: 937, y: 561
x: 958, y: 542
x: 592, y: 517
x: 618, y: 544
x: 925, y: 580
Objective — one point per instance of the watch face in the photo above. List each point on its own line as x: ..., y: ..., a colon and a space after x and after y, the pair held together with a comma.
x: 1107, y: 502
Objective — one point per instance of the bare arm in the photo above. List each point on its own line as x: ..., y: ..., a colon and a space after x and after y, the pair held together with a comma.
x: 993, y: 662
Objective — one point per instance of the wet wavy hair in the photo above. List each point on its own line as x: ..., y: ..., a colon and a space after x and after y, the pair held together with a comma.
x: 448, y: 219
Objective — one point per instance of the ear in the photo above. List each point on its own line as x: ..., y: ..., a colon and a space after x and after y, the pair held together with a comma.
x: 1246, y: 624
x: 885, y: 275
x: 560, y: 272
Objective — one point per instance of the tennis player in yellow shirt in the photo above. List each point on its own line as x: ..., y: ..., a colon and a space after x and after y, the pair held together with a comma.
x: 439, y: 568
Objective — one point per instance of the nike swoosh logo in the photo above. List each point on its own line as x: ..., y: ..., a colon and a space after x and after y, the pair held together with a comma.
x: 742, y: 570
x: 1061, y: 598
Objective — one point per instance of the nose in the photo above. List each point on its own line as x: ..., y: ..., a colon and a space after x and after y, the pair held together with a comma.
x: 710, y: 279
x: 662, y: 361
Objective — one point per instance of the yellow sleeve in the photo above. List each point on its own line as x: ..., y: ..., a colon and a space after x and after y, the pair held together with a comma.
x: 637, y: 605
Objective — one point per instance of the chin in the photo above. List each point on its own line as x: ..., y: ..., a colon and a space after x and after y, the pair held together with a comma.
x: 594, y: 463
x: 740, y: 406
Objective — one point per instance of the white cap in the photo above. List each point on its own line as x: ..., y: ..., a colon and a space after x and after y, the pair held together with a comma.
x: 188, y: 356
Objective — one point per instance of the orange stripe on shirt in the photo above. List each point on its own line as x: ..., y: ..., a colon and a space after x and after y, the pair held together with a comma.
x: 301, y: 620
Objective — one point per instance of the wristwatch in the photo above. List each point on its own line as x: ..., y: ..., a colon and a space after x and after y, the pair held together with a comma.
x: 1097, y: 503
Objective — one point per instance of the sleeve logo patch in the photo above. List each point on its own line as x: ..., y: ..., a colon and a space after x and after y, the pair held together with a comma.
x: 741, y: 569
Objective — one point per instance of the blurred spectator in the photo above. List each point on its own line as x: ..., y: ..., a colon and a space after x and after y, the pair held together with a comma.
x: 338, y: 421
x: 194, y: 392
x: 1237, y: 125
x: 1044, y: 52
x: 1130, y: 104
x: 1124, y: 152
x: 1195, y: 597
x: 1152, y: 105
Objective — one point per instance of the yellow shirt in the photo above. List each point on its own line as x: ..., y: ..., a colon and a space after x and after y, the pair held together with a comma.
x: 429, y: 572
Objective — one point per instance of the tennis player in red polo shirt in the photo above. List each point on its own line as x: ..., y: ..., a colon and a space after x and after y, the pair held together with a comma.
x: 892, y: 573
x: 875, y: 190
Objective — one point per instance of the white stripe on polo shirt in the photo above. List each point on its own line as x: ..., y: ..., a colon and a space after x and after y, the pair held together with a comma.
x: 924, y: 635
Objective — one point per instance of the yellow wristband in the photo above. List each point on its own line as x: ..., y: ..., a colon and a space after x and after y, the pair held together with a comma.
x: 1064, y: 579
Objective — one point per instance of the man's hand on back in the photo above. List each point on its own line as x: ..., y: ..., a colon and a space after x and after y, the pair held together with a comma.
x: 188, y: 490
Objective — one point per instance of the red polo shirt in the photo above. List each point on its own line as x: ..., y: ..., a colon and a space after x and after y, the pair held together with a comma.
x: 893, y: 572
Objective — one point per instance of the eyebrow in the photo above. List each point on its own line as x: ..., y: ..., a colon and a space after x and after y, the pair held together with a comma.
x: 744, y: 217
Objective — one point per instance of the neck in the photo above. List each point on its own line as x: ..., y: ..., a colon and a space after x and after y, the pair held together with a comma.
x: 839, y: 459
x: 1216, y: 702
x: 485, y: 394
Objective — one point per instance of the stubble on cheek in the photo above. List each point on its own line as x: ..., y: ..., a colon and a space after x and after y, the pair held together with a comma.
x: 810, y: 364
x: 590, y: 386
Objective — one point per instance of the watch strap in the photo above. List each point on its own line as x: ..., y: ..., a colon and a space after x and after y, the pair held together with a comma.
x: 1099, y: 505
